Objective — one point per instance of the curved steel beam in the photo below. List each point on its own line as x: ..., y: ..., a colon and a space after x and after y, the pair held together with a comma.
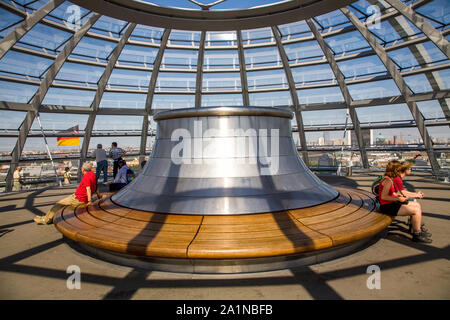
x: 422, y: 25
x: 95, y: 105
x: 198, y: 80
x: 400, y: 82
x: 344, y: 89
x: 15, y: 35
x: 151, y: 92
x: 294, y: 96
x: 212, y: 20
x: 242, y: 68
x: 40, y: 95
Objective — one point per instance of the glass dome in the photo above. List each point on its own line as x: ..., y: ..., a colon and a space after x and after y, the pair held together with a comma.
x: 350, y: 74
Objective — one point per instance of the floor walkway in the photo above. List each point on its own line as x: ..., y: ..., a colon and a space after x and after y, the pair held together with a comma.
x: 34, y: 260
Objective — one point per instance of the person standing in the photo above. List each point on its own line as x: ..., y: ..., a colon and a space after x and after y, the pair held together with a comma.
x: 102, y: 162
x: 82, y: 195
x: 116, y: 153
x: 67, y: 175
x: 350, y: 165
x: 18, y: 179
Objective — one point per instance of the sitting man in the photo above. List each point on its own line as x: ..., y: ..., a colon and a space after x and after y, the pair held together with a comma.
x: 123, y: 177
x: 82, y: 195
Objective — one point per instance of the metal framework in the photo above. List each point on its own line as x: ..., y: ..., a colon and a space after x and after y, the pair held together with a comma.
x: 400, y: 82
x: 151, y: 93
x: 99, y: 94
x: 294, y: 96
x: 345, y: 92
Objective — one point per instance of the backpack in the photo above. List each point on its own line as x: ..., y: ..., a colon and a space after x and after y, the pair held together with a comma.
x: 130, y: 175
x: 376, y: 185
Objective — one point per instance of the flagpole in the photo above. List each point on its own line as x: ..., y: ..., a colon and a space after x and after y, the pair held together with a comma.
x: 48, y: 150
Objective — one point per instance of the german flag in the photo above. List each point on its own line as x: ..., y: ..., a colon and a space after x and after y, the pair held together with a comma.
x: 69, y: 141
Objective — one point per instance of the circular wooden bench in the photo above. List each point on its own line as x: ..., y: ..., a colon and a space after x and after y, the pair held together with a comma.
x: 111, y: 228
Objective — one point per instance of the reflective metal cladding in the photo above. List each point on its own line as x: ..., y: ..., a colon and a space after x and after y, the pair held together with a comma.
x: 224, y: 161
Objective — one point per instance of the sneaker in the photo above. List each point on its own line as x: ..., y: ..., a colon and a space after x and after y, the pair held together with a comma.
x: 422, y: 227
x: 421, y: 237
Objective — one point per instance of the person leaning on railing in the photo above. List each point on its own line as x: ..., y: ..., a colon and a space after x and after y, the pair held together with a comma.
x: 82, y: 195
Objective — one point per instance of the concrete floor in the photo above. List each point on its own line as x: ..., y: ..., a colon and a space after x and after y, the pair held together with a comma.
x: 34, y: 260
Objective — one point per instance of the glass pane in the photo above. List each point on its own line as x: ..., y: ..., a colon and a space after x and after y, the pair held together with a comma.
x: 257, y: 36
x: 163, y: 101
x: 221, y: 81
x: 76, y: 73
x: 267, y: 79
x: 147, y: 34
x: 332, y: 19
x: 438, y: 10
x: 69, y: 97
x: 187, y: 38
x: 328, y: 138
x: 294, y: 30
x: 418, y: 83
x: 11, y: 120
x: 108, y: 123
x: 93, y: 48
x: 223, y: 100
x: 41, y: 36
x: 351, y: 42
x: 16, y: 92
x: 323, y: 118
x: 384, y: 114
x: 320, y: 73
x: 8, y: 19
x: 55, y: 122
x: 179, y: 59
x: 172, y: 81
x: 261, y: 57
x: 221, y: 59
x: 373, y: 89
x: 20, y: 65
x: 403, y: 58
x: 73, y: 16
x: 431, y: 109
x: 362, y: 67
x: 320, y: 95
x: 129, y: 79
x: 440, y: 135
x: 221, y: 38
x: 138, y: 55
x: 123, y: 100
x: 271, y: 99
x: 303, y: 51
x: 109, y: 26
x: 443, y: 78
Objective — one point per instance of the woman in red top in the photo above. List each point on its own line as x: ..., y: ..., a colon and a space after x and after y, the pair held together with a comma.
x: 395, y: 204
x: 403, y: 171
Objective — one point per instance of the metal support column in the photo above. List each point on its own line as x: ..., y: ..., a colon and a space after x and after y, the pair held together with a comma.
x: 434, y: 35
x: 294, y: 96
x: 99, y: 94
x: 15, y: 35
x: 199, y: 78
x: 345, y: 92
x: 40, y: 94
x: 243, y: 70
x: 403, y: 88
x: 151, y: 92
